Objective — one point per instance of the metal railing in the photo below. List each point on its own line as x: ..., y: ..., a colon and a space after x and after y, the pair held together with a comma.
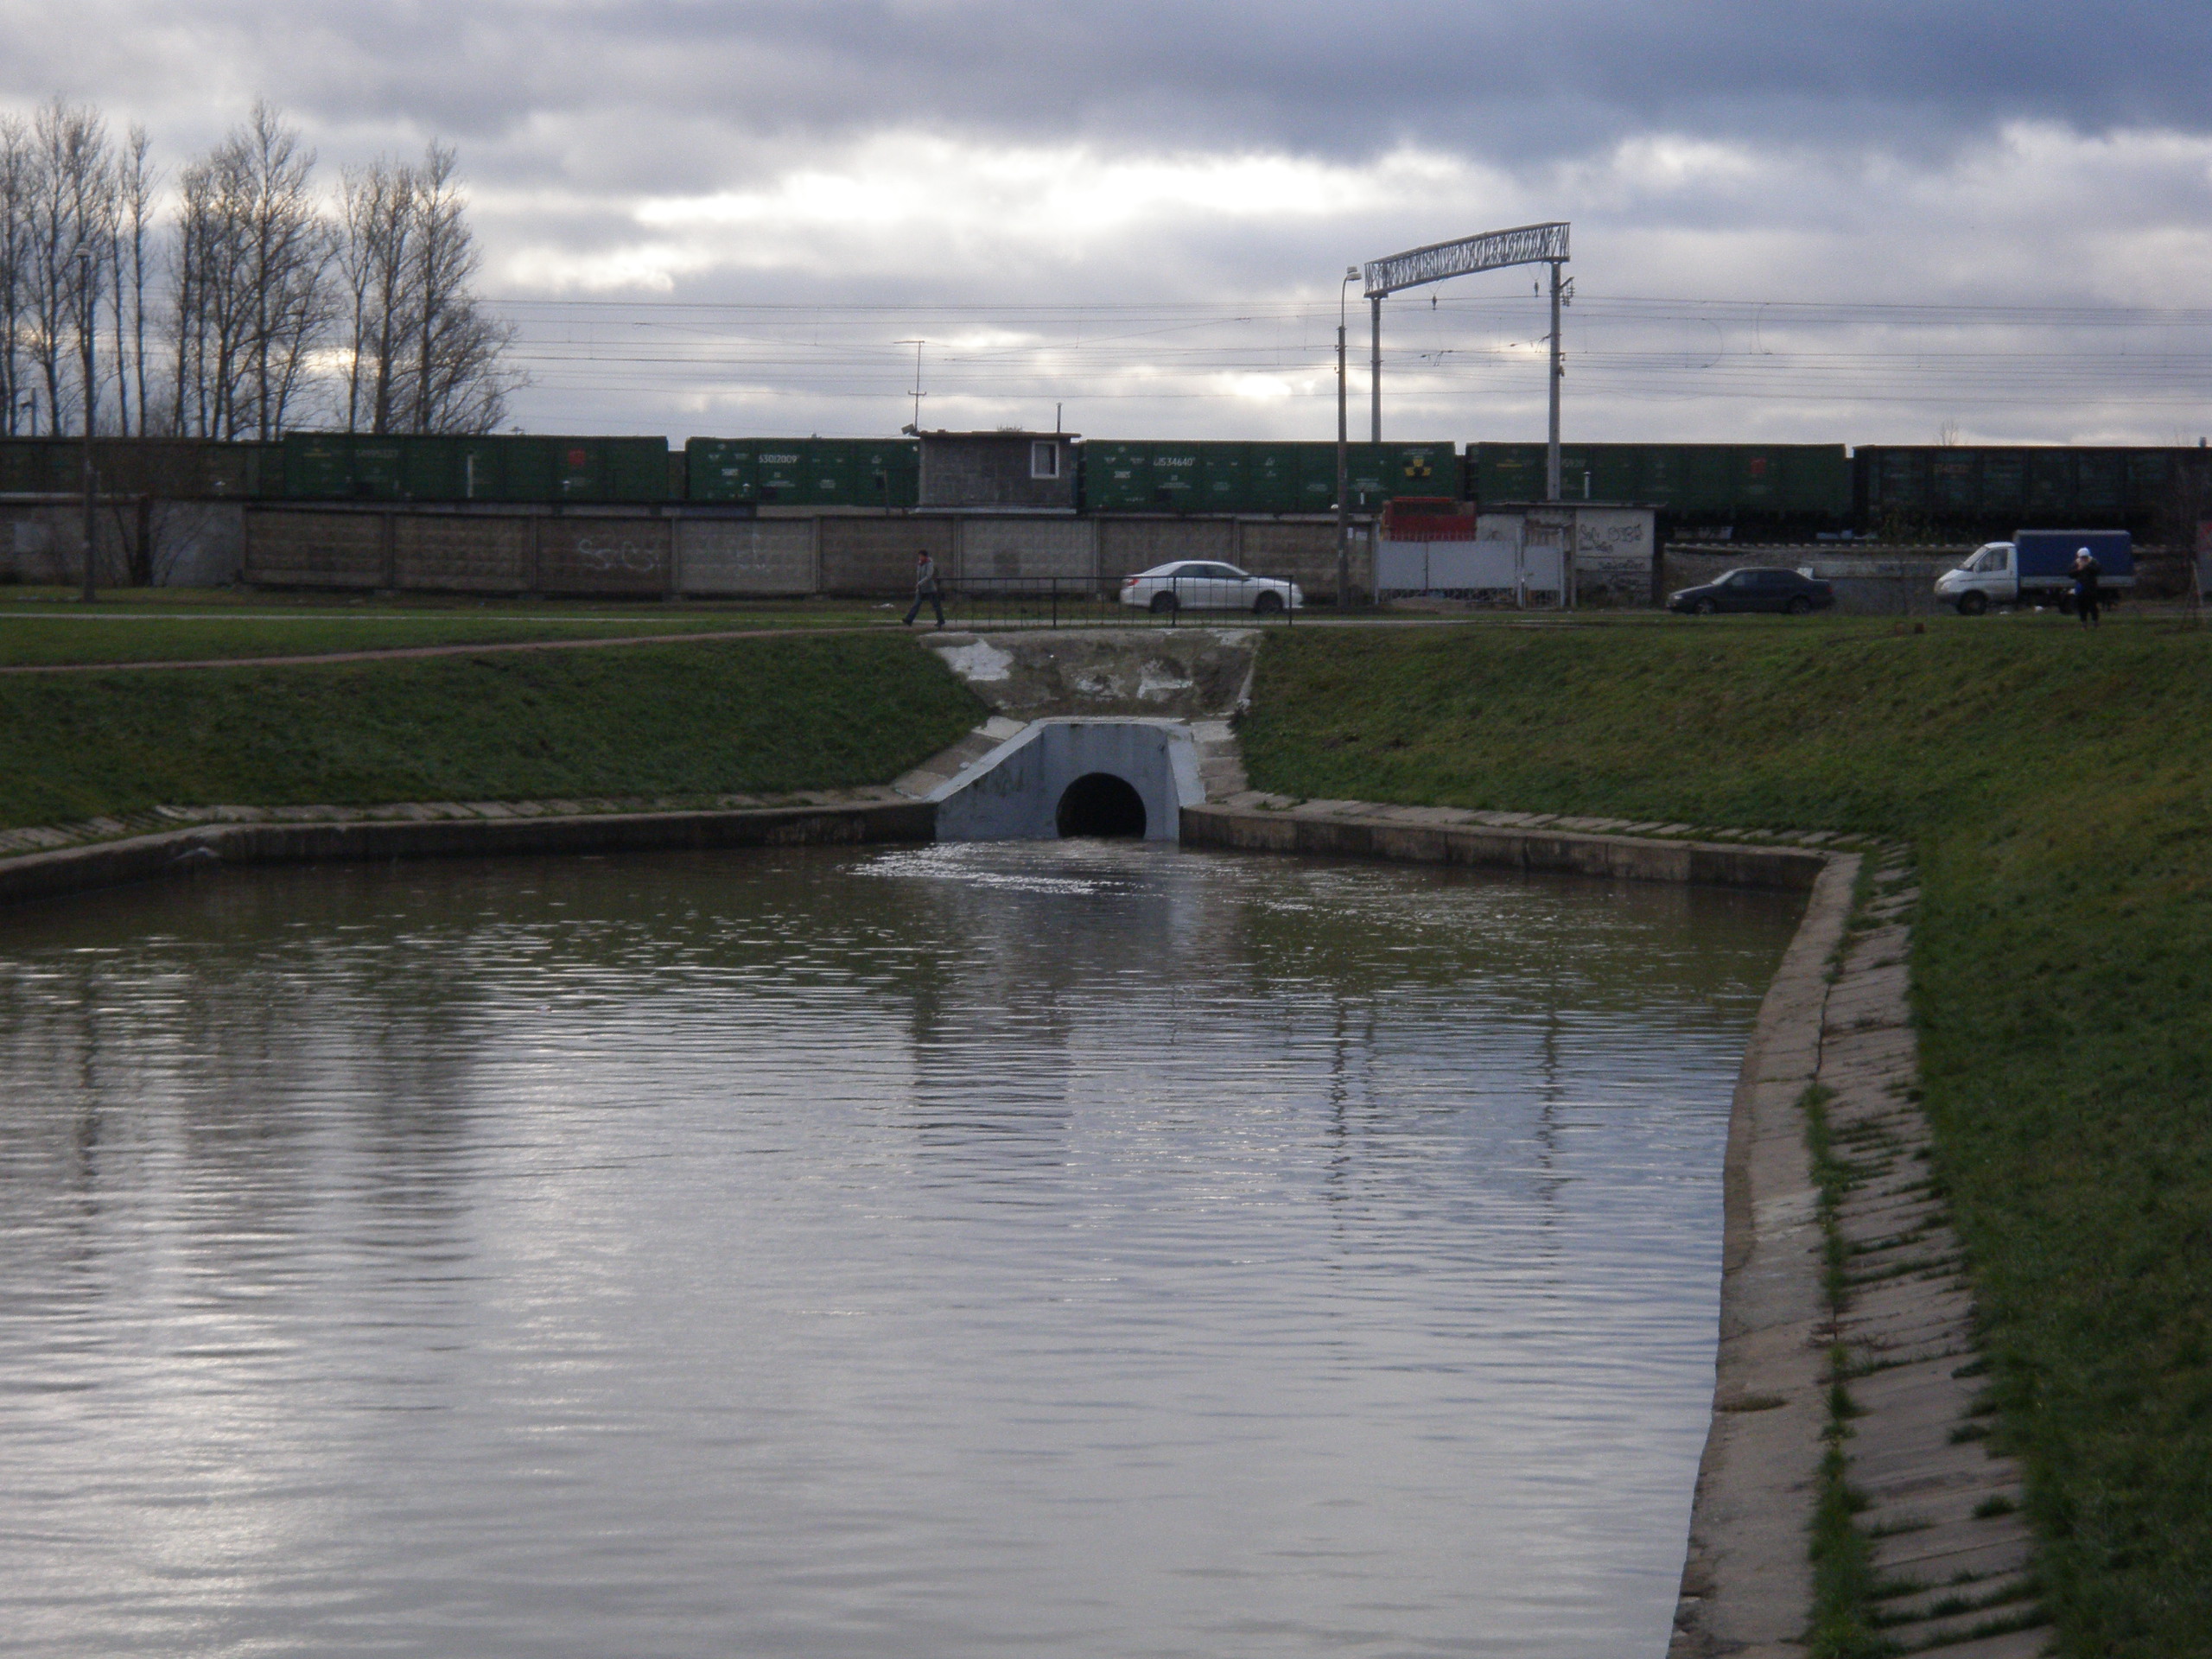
x: 983, y: 603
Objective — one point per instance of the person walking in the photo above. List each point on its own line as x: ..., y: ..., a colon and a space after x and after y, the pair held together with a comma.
x: 925, y: 589
x: 2089, y: 601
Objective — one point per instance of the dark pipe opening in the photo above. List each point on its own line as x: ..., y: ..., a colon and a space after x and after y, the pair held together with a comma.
x: 1099, y: 803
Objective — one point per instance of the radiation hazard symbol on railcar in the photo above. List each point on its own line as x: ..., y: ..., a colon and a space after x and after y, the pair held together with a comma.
x: 1418, y: 467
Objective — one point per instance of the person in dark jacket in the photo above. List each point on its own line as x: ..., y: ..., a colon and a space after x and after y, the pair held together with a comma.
x: 2087, y: 599
x: 925, y: 589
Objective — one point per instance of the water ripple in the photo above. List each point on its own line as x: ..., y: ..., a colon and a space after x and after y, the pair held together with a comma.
x: 1092, y: 1248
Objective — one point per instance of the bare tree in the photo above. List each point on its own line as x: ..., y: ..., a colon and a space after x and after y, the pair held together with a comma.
x: 206, y: 342
x: 135, y: 184
x: 423, y: 356
x: 459, y: 384
x: 376, y: 260
x: 15, y: 170
x: 253, y: 300
x: 71, y: 224
x: 291, y: 247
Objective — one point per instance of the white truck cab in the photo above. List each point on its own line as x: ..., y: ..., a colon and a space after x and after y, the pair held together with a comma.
x: 1984, y: 580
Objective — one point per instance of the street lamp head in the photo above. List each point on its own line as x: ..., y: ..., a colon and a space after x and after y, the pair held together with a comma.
x: 1351, y: 273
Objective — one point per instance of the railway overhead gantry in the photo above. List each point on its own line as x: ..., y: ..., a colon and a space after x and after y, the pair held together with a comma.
x: 1524, y: 244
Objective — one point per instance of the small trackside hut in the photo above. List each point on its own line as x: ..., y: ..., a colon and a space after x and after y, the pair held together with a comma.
x: 1023, y: 472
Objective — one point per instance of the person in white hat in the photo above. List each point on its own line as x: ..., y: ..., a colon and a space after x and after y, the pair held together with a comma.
x: 2087, y: 601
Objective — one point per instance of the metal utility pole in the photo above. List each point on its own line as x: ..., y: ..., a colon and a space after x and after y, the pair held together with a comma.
x: 1524, y: 244
x: 87, y: 319
x: 1559, y: 370
x: 918, y: 394
x: 1344, y: 455
x: 1375, y: 369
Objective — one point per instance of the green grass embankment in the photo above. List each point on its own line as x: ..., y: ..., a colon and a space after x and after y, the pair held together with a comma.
x: 177, y: 624
x: 765, y: 715
x: 2057, y: 788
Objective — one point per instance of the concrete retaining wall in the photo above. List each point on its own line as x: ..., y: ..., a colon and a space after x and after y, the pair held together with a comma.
x: 1406, y: 839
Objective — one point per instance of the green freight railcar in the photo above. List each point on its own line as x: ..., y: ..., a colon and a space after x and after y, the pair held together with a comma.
x: 1376, y: 473
x: 177, y: 469
x: 1155, y: 476
x: 860, y: 472
x: 1218, y: 476
x: 809, y: 472
x: 1117, y: 476
x: 1271, y: 473
x: 1148, y: 476
x: 1974, y: 489
x: 516, y: 468
x: 1804, y: 484
x: 1223, y: 480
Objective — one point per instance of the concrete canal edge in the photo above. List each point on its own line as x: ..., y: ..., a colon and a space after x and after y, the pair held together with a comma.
x: 1420, y: 835
x: 138, y: 858
x: 1747, y: 1575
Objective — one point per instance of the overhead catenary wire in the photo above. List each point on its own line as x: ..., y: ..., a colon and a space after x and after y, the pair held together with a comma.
x: 1632, y: 348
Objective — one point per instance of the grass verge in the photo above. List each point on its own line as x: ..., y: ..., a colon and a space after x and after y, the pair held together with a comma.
x: 2057, y: 789
x: 767, y: 715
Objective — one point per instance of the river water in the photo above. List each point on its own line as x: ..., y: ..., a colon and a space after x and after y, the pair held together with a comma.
x: 1070, y: 1248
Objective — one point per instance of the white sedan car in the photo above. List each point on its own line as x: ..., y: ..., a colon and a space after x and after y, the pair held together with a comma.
x: 1193, y: 585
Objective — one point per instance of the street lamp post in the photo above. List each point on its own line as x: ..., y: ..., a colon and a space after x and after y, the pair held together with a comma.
x: 1344, y: 455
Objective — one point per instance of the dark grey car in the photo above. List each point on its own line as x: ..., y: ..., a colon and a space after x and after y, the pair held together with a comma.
x: 1756, y: 589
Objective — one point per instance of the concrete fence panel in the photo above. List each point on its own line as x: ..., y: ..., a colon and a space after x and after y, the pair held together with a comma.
x: 609, y: 555
x: 196, y: 544
x: 874, y: 558
x: 46, y: 544
x: 1306, y: 553
x: 1127, y: 545
x: 745, y: 556
x: 469, y: 553
x: 1065, y: 547
x: 315, y: 550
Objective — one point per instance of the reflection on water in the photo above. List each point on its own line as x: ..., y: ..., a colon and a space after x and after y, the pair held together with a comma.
x: 1071, y: 1249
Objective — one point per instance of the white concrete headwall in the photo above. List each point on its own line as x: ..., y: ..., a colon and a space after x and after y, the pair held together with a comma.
x: 1013, y: 792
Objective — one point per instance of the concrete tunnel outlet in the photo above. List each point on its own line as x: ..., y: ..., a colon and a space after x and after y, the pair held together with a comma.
x: 1076, y: 777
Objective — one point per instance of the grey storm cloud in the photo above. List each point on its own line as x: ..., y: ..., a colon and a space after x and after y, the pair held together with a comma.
x: 1013, y: 153
x: 1511, y: 82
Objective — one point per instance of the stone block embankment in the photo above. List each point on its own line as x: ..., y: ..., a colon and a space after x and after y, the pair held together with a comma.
x: 137, y: 858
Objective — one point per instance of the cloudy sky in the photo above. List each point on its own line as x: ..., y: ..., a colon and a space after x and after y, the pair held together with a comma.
x: 1856, y: 222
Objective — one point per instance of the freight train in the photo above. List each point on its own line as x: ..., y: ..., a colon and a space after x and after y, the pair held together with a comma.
x: 1741, y: 492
